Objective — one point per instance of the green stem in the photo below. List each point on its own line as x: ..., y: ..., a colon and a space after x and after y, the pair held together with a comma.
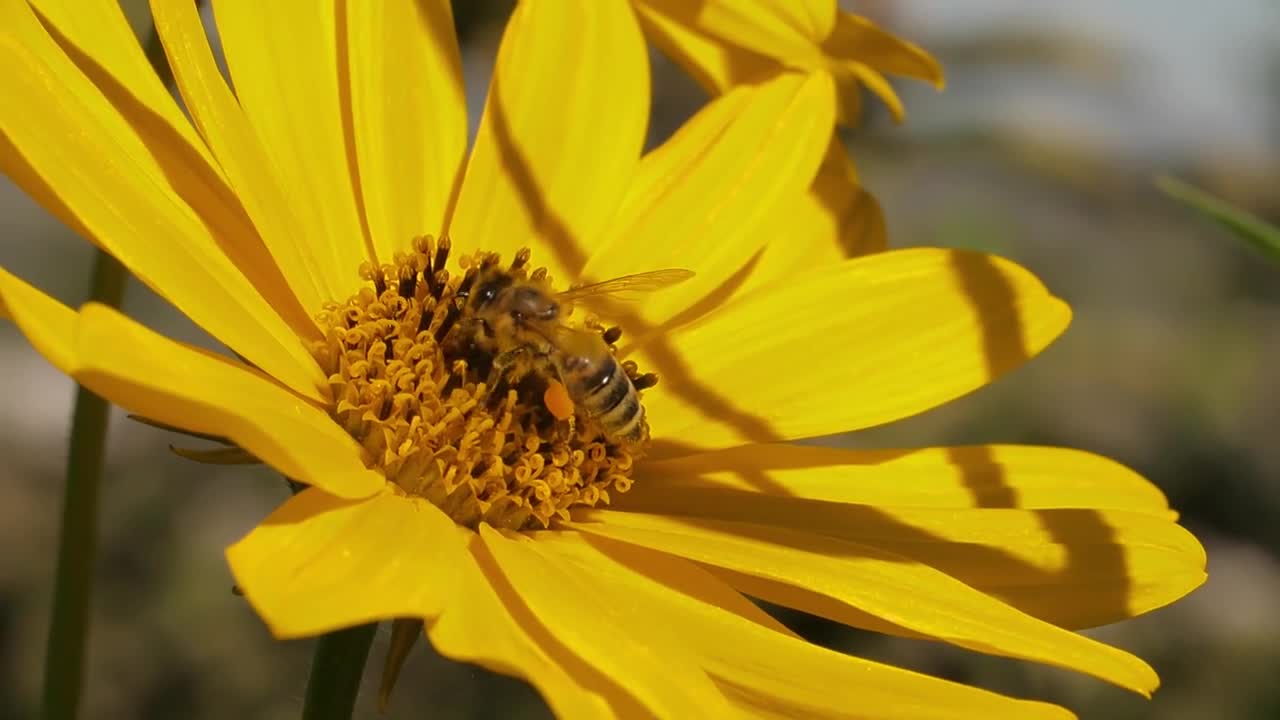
x: 336, y: 669
x: 64, y: 662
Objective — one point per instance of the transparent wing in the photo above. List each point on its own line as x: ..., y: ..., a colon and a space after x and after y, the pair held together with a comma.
x: 577, y: 342
x: 627, y: 287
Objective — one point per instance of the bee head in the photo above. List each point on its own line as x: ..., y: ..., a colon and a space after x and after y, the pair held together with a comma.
x: 485, y: 293
x: 496, y: 297
x: 529, y: 302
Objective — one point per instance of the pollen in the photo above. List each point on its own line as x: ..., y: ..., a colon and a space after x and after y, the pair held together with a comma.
x: 410, y: 379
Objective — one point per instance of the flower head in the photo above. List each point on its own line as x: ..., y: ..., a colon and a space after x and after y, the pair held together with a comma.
x: 302, y: 221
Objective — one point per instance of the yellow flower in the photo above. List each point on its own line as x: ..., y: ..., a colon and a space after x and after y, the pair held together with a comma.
x: 289, y: 220
x: 728, y: 43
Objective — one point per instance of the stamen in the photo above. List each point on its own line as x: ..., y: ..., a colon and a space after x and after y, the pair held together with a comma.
x: 410, y: 369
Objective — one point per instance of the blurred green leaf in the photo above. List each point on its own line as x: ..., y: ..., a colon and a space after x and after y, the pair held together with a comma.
x: 1262, y: 235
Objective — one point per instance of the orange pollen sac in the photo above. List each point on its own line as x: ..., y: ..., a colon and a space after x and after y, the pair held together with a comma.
x: 427, y: 389
x: 557, y: 400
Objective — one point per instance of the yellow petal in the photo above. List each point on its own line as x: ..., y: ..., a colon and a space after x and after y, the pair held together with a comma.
x: 758, y: 662
x: 111, y: 53
x: 859, y: 53
x: 881, y: 584
x: 68, y: 147
x: 833, y: 220
x: 849, y: 81
x: 697, y: 200
x: 725, y: 43
x: 854, y: 38
x: 1075, y: 582
x: 585, y: 615
x: 193, y: 389
x: 784, y: 30
x: 990, y: 476
x: 865, y: 342
x: 196, y: 390
x: 1079, y: 579
x: 288, y: 234
x: 1072, y: 567
x: 287, y: 73
x: 409, y: 116
x: 99, y: 39
x: 320, y: 563
x: 862, y: 229
x: 561, y: 133
x: 782, y: 26
x: 487, y: 622
x: 49, y: 325
x: 859, y: 226
x: 716, y: 65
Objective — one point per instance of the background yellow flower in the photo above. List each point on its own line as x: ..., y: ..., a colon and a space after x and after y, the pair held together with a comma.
x: 725, y: 43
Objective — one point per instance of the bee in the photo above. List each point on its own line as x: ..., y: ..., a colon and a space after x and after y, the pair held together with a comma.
x: 523, y: 322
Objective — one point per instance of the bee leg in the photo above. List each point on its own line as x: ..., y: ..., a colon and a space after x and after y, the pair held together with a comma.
x: 645, y: 381
x: 502, y: 362
x: 571, y: 418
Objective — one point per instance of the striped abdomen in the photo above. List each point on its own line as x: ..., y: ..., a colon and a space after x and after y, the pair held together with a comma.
x: 602, y: 389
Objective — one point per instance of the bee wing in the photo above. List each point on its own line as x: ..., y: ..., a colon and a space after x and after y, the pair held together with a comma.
x: 627, y: 287
x: 572, y: 340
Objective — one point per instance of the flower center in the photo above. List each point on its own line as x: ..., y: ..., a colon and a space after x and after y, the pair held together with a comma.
x: 455, y: 385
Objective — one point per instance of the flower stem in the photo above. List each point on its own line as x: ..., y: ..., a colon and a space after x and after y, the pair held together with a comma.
x: 64, y: 661
x: 336, y: 669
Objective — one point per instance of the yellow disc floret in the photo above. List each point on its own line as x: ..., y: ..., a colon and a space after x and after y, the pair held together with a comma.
x: 409, y: 382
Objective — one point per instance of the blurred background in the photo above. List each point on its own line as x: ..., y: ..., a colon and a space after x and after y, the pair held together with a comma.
x: 1043, y: 149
